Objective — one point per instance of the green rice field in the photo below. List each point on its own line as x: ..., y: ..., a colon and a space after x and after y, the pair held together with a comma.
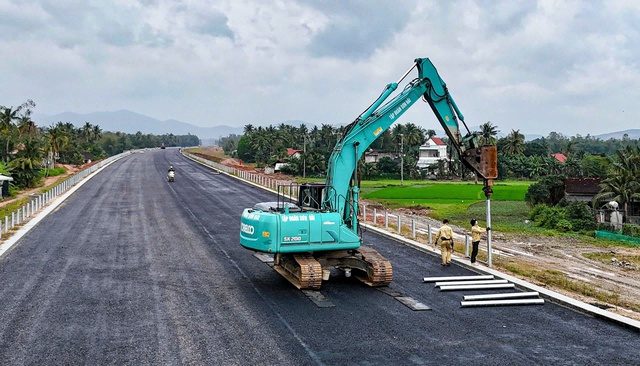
x: 457, y: 201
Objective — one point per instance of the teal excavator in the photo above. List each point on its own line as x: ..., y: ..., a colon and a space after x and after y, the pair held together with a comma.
x: 319, y: 228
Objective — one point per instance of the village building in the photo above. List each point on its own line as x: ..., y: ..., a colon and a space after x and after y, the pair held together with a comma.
x: 433, y: 151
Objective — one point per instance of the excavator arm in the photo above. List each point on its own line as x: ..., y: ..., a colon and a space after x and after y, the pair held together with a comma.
x: 361, y: 133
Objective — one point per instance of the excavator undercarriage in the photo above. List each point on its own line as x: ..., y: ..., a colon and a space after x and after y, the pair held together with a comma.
x: 305, y: 270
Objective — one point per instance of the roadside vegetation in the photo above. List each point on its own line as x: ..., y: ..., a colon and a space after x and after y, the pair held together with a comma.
x: 31, y: 153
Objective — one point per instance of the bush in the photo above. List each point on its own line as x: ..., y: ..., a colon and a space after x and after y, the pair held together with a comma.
x: 549, y: 190
x: 579, y: 211
x: 549, y: 217
x: 536, y: 211
x: 631, y: 230
x: 564, y: 225
x: 51, y: 172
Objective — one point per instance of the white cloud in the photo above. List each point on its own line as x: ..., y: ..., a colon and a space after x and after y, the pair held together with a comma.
x: 564, y: 66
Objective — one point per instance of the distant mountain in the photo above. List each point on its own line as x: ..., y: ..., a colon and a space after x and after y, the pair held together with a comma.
x: 131, y: 122
x: 633, y: 134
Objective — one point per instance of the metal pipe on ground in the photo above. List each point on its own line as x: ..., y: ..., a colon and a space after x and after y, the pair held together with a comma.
x: 457, y: 278
x: 502, y: 302
x: 477, y: 287
x: 459, y: 283
x: 500, y: 296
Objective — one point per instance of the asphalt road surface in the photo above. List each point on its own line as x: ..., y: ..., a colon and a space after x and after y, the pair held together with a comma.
x: 133, y: 270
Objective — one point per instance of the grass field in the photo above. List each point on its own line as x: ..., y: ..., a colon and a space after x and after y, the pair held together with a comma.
x: 457, y: 201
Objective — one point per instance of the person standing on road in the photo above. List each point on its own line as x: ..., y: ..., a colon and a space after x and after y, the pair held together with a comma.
x: 476, y: 233
x: 445, y: 238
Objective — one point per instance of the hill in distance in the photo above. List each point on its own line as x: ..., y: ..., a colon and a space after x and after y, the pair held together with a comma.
x: 131, y: 122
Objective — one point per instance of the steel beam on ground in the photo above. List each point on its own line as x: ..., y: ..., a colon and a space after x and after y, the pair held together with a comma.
x: 500, y: 296
x: 477, y: 287
x: 457, y: 278
x: 502, y: 302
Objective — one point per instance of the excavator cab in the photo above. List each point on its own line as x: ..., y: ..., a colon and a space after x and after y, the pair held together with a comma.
x: 310, y: 195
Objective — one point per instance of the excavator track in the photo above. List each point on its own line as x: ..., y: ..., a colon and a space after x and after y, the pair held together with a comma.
x: 302, y: 270
x: 378, y: 268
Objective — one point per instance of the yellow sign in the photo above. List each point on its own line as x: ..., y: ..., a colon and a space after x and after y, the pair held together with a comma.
x: 377, y: 131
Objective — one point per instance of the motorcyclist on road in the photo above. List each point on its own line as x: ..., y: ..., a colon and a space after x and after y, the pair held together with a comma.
x: 171, y: 168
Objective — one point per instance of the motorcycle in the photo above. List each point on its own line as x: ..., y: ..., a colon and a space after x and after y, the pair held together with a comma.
x: 171, y: 176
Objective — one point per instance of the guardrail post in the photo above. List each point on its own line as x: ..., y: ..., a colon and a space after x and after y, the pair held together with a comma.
x: 466, y: 245
x: 375, y: 216
x: 413, y: 229
x: 429, y: 233
x: 399, y: 224
x: 386, y: 220
x: 6, y: 224
x: 364, y: 213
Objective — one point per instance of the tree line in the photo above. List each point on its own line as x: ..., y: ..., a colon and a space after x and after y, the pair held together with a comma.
x: 614, y: 162
x: 586, y: 156
x: 28, y: 152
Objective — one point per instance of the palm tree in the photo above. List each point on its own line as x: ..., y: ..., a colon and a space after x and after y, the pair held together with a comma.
x: 430, y: 134
x: 488, y: 134
x: 57, y: 139
x: 622, y: 184
x: 248, y: 129
x: 515, y: 143
x: 26, y: 126
x: 414, y: 135
x: 27, y: 162
x: 96, y: 132
x: 7, y: 117
x: 86, y: 131
x: 398, y: 132
x: 620, y: 189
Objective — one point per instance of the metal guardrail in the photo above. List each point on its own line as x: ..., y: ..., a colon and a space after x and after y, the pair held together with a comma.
x: 39, y: 200
x: 289, y: 190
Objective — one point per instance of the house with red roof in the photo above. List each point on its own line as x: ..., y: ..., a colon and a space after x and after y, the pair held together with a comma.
x: 560, y: 157
x: 431, y: 152
x: 290, y: 153
x: 293, y: 153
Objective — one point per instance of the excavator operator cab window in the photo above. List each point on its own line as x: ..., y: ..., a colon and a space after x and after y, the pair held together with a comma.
x: 310, y: 195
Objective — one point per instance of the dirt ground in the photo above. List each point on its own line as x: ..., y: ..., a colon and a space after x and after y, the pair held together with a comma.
x: 563, y: 257
x: 566, y: 257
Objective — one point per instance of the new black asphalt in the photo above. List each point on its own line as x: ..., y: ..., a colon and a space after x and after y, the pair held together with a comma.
x: 134, y: 270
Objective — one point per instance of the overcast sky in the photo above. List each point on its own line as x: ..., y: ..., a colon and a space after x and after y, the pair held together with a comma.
x: 565, y: 66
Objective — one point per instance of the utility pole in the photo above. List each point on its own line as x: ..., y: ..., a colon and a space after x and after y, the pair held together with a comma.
x: 304, y: 156
x: 401, y: 159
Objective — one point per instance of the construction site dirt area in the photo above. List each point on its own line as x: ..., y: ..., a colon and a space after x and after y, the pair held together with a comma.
x: 605, y: 277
